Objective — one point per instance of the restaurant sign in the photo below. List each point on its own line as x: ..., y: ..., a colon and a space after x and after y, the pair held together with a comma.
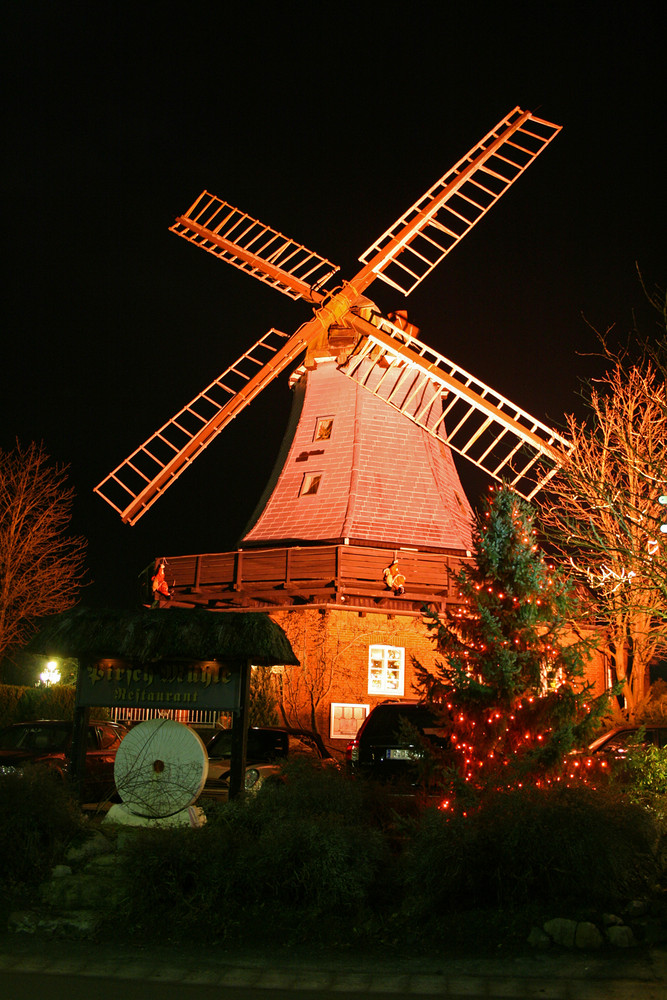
x: 119, y: 684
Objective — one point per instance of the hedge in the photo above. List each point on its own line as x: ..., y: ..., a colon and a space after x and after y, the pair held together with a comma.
x: 21, y: 704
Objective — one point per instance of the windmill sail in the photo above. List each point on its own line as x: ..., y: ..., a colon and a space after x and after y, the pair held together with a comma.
x: 473, y: 420
x: 423, y: 236
x: 253, y: 247
x: 136, y: 483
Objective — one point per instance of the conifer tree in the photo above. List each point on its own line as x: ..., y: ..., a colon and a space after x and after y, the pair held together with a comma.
x: 263, y: 698
x: 511, y: 681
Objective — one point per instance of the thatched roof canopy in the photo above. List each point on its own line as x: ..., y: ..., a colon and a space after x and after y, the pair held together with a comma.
x: 146, y: 636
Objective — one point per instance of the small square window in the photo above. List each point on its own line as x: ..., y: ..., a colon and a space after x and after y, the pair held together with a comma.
x: 386, y: 670
x: 346, y: 718
x: 311, y: 484
x: 323, y: 429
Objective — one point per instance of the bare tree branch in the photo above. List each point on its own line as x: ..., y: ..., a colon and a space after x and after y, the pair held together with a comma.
x: 41, y: 568
x: 604, y: 516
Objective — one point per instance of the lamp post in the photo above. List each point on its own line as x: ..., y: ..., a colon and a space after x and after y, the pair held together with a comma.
x: 51, y: 673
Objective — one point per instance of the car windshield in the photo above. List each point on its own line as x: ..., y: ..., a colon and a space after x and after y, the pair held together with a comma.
x: 626, y: 739
x: 40, y: 738
x: 304, y: 746
x: 263, y: 744
x: 384, y: 722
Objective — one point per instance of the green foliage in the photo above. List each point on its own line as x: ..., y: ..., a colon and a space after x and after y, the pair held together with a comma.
x: 23, y: 704
x: 644, y: 772
x: 510, y: 682
x: 38, y: 819
x: 263, y: 709
x: 54, y: 702
x: 559, y: 846
x: 314, y: 860
x: 505, y: 639
x: 300, y: 853
x: 10, y: 695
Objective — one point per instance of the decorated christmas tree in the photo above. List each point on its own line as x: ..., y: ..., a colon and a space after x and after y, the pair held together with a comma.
x: 510, y: 685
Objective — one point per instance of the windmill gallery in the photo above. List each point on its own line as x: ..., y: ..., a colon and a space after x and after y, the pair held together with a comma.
x: 364, y: 518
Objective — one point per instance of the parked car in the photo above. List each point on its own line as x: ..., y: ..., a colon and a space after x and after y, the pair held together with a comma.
x: 380, y: 750
x: 608, y: 752
x: 267, y: 748
x: 48, y: 742
x: 617, y: 741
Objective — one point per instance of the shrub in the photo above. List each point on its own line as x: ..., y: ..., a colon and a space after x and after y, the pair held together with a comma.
x: 571, y: 846
x: 53, y: 702
x: 643, y: 777
x: 10, y: 695
x: 23, y: 704
x: 299, y: 857
x: 38, y: 819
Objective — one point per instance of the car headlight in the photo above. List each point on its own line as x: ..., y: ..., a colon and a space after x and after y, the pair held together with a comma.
x: 251, y: 779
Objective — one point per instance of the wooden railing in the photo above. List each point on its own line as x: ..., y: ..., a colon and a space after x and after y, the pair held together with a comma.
x: 314, y: 572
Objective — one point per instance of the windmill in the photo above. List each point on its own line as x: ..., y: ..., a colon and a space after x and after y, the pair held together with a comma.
x: 381, y: 354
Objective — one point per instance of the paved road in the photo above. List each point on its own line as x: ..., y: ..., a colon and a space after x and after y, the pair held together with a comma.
x: 37, y: 986
x: 41, y: 986
x: 50, y: 969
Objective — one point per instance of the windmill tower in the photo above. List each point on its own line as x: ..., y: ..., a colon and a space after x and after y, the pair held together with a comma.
x: 365, y: 476
x: 354, y: 472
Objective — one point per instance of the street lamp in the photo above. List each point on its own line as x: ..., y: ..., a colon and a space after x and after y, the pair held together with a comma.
x: 51, y: 673
x: 663, y: 527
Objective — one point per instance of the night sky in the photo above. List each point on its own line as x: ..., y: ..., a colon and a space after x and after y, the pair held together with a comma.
x: 325, y: 122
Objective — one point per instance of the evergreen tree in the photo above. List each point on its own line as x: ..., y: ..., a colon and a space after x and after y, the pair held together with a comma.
x: 263, y: 709
x: 511, y: 681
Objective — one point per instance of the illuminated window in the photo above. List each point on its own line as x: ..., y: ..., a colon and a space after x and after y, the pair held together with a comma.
x: 323, y: 429
x: 311, y: 484
x: 346, y: 719
x: 386, y: 670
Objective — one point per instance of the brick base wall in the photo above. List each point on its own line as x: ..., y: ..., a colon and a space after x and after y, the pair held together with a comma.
x: 332, y: 646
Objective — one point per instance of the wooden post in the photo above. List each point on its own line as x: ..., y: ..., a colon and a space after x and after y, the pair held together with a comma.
x: 240, y: 735
x: 77, y: 760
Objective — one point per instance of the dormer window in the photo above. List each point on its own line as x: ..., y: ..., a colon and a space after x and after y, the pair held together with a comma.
x: 323, y: 429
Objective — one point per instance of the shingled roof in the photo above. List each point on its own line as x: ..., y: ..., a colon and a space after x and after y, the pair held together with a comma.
x: 146, y: 636
x: 382, y: 480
